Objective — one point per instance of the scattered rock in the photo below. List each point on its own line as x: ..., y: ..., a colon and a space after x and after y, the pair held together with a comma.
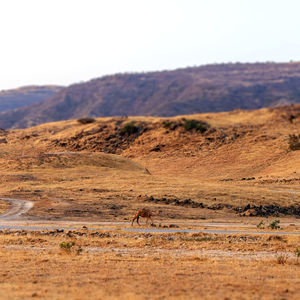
x: 173, y: 226
x: 267, y: 210
x: 249, y: 178
x: 157, y: 148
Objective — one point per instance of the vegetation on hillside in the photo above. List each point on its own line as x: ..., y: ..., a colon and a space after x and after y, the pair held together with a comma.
x: 129, y: 129
x: 211, y: 88
x: 195, y: 125
x: 86, y: 120
x: 294, y: 142
x: 16, y: 98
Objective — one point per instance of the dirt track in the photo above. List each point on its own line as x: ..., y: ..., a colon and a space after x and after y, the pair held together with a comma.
x: 18, y: 208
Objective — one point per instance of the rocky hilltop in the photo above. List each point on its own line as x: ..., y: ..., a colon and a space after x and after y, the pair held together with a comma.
x: 211, y: 88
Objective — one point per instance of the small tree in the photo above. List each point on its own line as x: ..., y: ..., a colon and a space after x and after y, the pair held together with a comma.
x: 129, y: 129
x: 189, y: 125
x: 86, y: 120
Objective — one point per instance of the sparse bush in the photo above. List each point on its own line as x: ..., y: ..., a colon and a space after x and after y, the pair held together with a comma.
x: 86, y: 120
x: 171, y: 125
x: 277, y: 238
x: 167, y: 124
x: 69, y: 246
x: 294, y: 142
x: 274, y: 224
x: 261, y: 225
x: 79, y: 250
x: 297, y: 253
x: 281, y: 259
x: 129, y: 129
x: 66, y: 245
x: 190, y: 125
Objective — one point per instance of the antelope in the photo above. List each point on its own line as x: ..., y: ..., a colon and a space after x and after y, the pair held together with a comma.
x: 144, y: 213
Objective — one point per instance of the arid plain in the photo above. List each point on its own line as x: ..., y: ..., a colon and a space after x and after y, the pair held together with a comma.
x: 236, y: 170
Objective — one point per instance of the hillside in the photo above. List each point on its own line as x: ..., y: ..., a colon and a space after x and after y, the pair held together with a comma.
x: 211, y: 88
x: 16, y: 98
x: 241, y: 143
x: 106, y: 169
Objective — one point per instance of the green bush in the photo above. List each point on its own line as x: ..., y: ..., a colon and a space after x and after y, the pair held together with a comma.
x: 129, y: 129
x: 274, y: 224
x: 69, y: 248
x: 167, y: 124
x: 192, y: 124
x: 294, y: 142
x: 261, y: 225
x: 86, y: 120
x: 66, y: 245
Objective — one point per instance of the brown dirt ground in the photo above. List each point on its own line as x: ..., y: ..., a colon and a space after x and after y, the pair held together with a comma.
x: 118, y: 265
x: 244, y: 158
x: 4, y: 206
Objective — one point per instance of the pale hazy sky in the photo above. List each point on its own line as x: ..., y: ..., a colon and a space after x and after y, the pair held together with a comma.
x: 67, y: 41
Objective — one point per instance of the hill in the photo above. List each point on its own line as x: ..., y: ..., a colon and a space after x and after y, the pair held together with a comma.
x: 223, y: 141
x: 193, y: 166
x: 211, y: 88
x: 16, y: 98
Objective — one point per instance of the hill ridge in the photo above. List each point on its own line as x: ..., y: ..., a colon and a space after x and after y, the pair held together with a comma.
x: 209, y: 88
x: 26, y: 95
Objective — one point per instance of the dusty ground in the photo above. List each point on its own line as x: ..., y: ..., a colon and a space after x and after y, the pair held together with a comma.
x: 118, y: 265
x: 4, y: 206
x: 240, y: 170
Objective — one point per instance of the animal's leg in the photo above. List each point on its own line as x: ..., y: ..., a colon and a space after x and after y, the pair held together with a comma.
x: 133, y: 220
x: 137, y: 219
x: 151, y: 220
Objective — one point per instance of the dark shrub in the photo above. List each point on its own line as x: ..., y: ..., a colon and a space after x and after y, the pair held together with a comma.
x: 171, y: 125
x: 294, y: 142
x: 189, y: 125
x: 66, y: 245
x: 129, y: 129
x: 86, y: 120
x: 274, y: 224
x: 167, y: 124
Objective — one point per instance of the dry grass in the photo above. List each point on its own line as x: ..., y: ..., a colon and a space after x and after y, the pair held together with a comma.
x: 143, y: 266
x: 89, y: 186
x: 249, y: 144
x: 4, y: 206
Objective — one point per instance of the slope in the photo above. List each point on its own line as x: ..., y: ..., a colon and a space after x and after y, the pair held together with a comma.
x: 16, y: 98
x: 222, y: 165
x: 211, y: 88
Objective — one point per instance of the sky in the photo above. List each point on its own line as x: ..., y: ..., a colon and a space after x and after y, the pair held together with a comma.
x: 68, y: 41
